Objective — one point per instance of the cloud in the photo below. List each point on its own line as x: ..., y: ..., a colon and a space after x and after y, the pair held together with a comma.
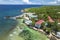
x: 52, y: 3
x: 27, y: 1
x: 37, y: 2
x: 58, y: 0
x: 30, y: 2
x: 49, y: 2
x: 11, y: 2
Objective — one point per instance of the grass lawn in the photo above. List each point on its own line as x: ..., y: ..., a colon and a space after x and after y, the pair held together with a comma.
x: 30, y: 34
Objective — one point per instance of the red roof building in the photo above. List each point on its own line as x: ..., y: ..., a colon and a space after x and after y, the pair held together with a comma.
x: 40, y: 22
x: 50, y: 19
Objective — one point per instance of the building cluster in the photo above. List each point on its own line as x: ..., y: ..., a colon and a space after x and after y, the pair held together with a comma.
x: 38, y: 24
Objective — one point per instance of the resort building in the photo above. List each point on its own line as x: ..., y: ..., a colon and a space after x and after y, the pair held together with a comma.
x: 38, y: 23
x: 30, y: 15
x: 28, y: 22
x: 58, y: 34
x: 26, y: 18
x: 50, y: 19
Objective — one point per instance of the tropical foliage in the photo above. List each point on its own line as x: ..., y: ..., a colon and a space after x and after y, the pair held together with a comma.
x: 43, y: 11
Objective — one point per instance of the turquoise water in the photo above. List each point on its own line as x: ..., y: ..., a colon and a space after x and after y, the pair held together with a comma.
x: 10, y: 10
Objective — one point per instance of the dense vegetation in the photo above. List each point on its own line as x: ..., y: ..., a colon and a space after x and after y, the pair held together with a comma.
x: 43, y: 11
x: 28, y: 33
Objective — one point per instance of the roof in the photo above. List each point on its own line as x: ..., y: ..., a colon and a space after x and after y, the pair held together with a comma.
x: 58, y: 34
x: 31, y: 15
x: 26, y: 18
x: 40, y: 22
x: 58, y: 23
x: 28, y: 22
x: 50, y: 19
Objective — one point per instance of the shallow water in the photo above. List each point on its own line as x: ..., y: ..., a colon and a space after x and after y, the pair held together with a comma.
x: 7, y: 25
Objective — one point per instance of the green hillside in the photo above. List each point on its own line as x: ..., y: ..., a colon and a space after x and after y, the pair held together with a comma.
x: 53, y: 11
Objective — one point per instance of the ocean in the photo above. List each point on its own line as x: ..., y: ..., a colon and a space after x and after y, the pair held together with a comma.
x: 10, y: 10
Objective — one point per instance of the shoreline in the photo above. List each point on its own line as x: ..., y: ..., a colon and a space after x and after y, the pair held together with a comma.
x: 11, y: 32
x: 14, y: 17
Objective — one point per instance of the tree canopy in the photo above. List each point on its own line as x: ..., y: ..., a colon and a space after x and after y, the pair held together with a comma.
x: 53, y: 11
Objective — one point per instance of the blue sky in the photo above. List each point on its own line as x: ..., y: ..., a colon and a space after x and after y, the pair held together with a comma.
x: 38, y: 2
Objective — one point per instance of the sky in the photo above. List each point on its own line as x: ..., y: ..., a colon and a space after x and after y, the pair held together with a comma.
x: 34, y: 2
